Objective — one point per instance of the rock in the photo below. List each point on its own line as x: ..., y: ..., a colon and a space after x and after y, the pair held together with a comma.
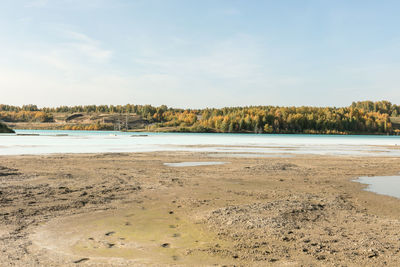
x: 165, y: 245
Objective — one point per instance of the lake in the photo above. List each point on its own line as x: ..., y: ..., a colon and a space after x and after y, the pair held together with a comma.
x: 51, y: 141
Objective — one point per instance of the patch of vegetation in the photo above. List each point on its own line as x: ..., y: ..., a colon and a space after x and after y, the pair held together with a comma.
x: 89, y: 127
x: 5, y: 129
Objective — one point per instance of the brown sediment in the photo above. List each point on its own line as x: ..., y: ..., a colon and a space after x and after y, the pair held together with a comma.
x: 130, y: 209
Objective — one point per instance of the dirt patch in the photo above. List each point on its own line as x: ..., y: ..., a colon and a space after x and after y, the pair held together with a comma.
x: 7, y: 171
x: 305, y: 226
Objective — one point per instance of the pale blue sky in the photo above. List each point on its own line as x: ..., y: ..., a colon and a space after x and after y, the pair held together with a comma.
x: 191, y: 53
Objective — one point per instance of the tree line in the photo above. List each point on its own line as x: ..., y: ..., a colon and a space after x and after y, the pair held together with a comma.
x: 360, y: 117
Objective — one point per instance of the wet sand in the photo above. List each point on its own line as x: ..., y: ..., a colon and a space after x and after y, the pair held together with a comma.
x: 129, y: 209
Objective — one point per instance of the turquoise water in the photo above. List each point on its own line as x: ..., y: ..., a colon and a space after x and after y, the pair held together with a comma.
x: 47, y: 142
x: 384, y: 185
x: 193, y: 163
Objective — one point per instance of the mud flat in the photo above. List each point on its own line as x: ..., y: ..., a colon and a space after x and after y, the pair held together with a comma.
x: 129, y: 209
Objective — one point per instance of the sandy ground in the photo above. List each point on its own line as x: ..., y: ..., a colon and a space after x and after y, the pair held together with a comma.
x: 131, y: 210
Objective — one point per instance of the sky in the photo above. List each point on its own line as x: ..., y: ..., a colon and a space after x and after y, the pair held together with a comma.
x: 196, y: 54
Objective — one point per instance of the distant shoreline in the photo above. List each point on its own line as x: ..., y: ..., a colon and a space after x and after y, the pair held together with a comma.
x: 55, y: 127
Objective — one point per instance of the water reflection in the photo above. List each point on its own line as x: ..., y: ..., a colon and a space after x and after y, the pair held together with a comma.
x: 384, y: 185
x: 193, y: 163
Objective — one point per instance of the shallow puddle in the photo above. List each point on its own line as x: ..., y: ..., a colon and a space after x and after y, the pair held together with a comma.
x: 384, y: 185
x: 194, y: 163
x: 145, y: 235
x: 250, y: 155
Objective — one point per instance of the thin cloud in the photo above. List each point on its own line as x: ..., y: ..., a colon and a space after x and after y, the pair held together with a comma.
x: 87, y: 46
x: 92, y: 51
x: 80, y: 37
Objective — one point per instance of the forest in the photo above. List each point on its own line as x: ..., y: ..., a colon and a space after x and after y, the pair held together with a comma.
x: 363, y: 117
